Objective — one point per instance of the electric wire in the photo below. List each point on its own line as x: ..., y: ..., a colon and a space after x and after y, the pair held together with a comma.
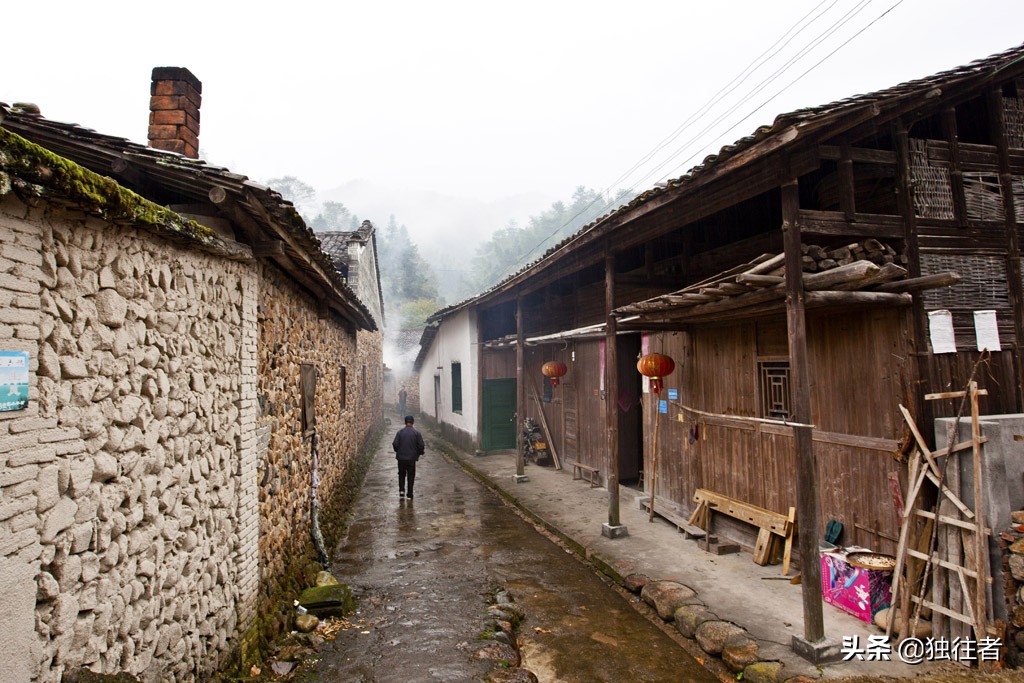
x: 827, y: 33
x: 760, y: 87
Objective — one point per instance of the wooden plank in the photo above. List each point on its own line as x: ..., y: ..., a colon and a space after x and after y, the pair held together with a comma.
x: 945, y: 564
x: 980, y: 548
x: 544, y: 423
x: 941, y: 610
x: 665, y: 511
x: 762, y: 547
x: 952, y: 521
x: 952, y: 394
x: 752, y: 514
x: 787, y: 554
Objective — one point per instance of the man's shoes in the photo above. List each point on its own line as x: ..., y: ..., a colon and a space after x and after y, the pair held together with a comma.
x: 401, y: 494
x: 409, y: 496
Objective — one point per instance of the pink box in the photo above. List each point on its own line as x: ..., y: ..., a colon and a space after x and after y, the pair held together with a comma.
x: 856, y: 590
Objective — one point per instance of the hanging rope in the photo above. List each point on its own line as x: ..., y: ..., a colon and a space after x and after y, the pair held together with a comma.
x: 760, y: 420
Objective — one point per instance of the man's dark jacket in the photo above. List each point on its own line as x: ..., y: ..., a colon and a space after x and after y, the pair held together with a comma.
x: 408, y: 444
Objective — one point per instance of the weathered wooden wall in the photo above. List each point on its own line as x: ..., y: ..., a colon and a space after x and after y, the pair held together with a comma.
x: 856, y: 358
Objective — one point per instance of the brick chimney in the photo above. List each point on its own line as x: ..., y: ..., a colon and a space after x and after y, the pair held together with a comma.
x: 175, y: 96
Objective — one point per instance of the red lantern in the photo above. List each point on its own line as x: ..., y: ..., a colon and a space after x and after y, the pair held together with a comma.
x: 554, y: 369
x: 656, y: 366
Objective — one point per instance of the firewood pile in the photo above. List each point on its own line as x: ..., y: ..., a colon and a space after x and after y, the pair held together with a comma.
x: 817, y: 258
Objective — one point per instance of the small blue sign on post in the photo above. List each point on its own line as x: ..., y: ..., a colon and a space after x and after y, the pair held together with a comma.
x: 663, y: 407
x: 673, y: 394
x: 13, y: 380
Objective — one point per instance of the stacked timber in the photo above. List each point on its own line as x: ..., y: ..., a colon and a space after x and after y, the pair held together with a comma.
x: 817, y: 258
x: 867, y: 272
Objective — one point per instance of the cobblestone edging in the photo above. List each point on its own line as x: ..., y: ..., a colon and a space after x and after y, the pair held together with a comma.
x: 1011, y: 541
x: 679, y: 604
x: 503, y: 619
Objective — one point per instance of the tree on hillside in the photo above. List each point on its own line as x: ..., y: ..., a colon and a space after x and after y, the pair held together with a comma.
x: 408, y: 281
x: 299, y: 193
x: 333, y: 217
x: 512, y: 247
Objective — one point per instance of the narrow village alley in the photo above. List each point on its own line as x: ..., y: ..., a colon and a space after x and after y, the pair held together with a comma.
x: 423, y: 571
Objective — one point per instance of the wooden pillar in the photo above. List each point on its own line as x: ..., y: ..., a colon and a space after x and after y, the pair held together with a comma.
x: 520, y: 388
x: 1013, y: 267
x: 847, y: 184
x: 956, y: 174
x: 611, y: 390
x: 806, y: 473
x: 905, y: 206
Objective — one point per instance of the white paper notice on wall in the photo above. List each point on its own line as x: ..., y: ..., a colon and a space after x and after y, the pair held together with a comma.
x: 940, y: 326
x: 987, y: 330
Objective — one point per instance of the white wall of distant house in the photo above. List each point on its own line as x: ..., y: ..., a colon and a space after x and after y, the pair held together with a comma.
x: 456, y: 342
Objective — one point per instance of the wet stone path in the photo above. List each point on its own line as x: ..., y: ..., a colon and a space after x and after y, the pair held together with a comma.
x: 422, y: 571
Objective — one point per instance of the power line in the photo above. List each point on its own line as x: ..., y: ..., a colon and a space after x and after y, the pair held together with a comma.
x: 797, y: 79
x: 742, y: 77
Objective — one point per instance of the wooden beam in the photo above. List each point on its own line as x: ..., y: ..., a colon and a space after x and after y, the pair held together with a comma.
x: 923, y: 282
x: 956, y: 176
x: 834, y: 224
x: 268, y: 248
x: 644, y: 280
x: 818, y: 299
x: 858, y: 154
x: 847, y: 189
x: 858, y: 270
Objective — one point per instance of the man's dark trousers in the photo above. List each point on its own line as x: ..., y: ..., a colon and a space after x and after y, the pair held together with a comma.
x: 406, y: 468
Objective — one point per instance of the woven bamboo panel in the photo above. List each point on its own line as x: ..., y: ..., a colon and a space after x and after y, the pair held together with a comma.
x: 982, y: 282
x: 984, y: 196
x: 1014, y: 111
x: 933, y: 194
x: 1018, y: 198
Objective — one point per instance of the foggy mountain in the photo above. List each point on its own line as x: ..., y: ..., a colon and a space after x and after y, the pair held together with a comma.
x: 447, y: 229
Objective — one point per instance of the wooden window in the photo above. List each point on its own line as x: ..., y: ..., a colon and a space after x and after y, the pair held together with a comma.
x: 773, y: 383
x: 307, y: 386
x: 344, y: 387
x: 456, y: 387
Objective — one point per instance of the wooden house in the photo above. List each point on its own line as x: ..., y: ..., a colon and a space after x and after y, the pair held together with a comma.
x: 822, y: 271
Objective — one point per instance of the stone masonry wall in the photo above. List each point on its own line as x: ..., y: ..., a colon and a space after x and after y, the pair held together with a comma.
x: 291, y: 334
x: 128, y: 485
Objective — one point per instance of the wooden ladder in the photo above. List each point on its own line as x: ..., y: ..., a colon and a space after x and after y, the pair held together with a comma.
x: 961, y: 565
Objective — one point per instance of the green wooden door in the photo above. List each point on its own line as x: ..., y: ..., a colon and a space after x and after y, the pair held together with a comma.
x: 499, y: 409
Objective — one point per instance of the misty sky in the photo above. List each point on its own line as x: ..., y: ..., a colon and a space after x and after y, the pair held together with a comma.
x: 474, y: 99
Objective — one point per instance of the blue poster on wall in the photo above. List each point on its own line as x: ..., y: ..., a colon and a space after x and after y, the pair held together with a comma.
x: 663, y: 407
x: 13, y: 380
x: 673, y: 394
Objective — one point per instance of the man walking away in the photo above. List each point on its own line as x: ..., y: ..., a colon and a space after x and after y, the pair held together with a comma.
x: 409, y: 446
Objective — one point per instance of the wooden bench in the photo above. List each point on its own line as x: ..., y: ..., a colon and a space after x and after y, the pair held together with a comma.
x: 773, y: 527
x: 671, y: 514
x: 593, y: 474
